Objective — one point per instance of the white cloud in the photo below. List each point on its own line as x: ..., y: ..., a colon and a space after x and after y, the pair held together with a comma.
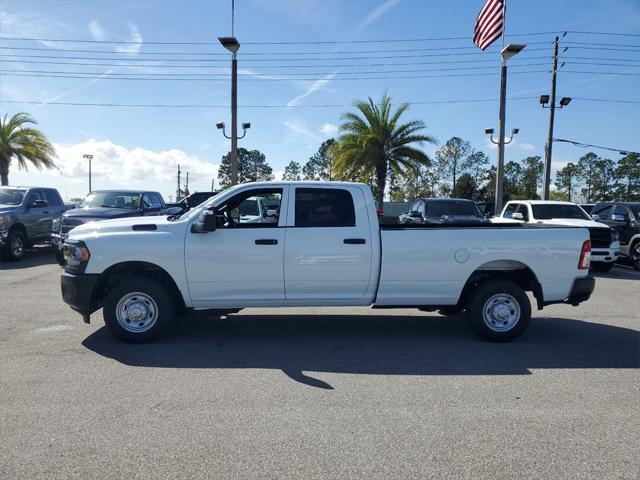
x: 315, y: 86
x: 116, y: 166
x: 96, y: 30
x: 377, y: 12
x: 136, y: 39
x: 329, y: 129
x: 299, y: 128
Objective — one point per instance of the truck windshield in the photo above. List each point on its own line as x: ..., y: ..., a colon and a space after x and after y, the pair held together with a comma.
x: 125, y: 200
x: 11, y: 196
x: 549, y: 211
x: 452, y: 208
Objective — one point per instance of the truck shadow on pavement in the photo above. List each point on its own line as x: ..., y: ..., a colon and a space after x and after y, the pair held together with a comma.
x: 33, y: 257
x: 374, y: 344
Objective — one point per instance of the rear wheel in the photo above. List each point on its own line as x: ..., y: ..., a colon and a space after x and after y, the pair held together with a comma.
x: 601, y: 266
x: 139, y: 309
x: 499, y: 310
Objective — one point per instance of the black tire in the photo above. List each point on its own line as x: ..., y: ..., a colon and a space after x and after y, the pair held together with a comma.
x: 15, y: 245
x: 601, y: 266
x: 634, y: 255
x: 515, y: 307
x: 450, y: 310
x: 152, y: 301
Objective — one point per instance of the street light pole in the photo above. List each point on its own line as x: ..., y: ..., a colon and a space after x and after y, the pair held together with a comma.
x: 89, y: 157
x: 499, y: 193
x: 507, y: 52
x: 234, y: 120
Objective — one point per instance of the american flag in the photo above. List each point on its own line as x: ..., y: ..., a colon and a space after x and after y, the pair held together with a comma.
x: 490, y: 23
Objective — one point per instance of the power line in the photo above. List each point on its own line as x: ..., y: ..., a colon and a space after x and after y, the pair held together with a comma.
x: 311, y: 42
x: 426, y: 55
x: 209, y: 79
x: 588, y: 145
x: 604, y: 33
x: 335, y: 105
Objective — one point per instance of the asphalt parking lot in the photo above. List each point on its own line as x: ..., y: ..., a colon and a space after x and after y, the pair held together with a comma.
x: 318, y: 393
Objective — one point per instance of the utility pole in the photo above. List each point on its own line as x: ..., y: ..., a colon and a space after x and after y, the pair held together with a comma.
x: 89, y: 157
x: 546, y: 178
x: 500, y: 167
x: 186, y: 186
x: 178, y: 190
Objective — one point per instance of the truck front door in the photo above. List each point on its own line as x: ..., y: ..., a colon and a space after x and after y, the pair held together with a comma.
x: 240, y: 263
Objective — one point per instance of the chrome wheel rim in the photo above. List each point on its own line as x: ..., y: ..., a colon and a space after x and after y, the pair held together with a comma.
x: 635, y: 257
x: 17, y: 246
x: 501, y: 312
x: 137, y: 312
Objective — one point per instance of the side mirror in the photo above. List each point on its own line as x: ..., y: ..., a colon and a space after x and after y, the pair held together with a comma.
x: 595, y: 217
x: 618, y: 218
x: 154, y: 207
x: 207, y: 221
x: 39, y: 204
x: 517, y: 216
x: 415, y: 214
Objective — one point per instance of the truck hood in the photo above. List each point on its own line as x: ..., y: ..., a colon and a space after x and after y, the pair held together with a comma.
x: 119, y: 225
x: 8, y: 208
x: 572, y: 222
x: 100, y: 213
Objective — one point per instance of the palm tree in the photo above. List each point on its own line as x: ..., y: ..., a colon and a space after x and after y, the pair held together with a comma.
x: 23, y: 143
x: 374, y: 144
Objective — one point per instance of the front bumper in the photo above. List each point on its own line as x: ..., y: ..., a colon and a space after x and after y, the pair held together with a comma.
x: 78, y: 291
x: 4, y: 234
x: 606, y: 254
x: 58, y: 239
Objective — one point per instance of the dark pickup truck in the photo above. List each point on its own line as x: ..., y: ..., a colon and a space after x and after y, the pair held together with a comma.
x: 107, y: 205
x: 26, y: 217
x: 443, y: 210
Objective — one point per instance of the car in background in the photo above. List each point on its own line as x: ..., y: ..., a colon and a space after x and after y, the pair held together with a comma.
x: 487, y: 208
x: 587, y: 207
x: 624, y: 217
x: 605, y: 246
x: 107, y: 205
x: 191, y: 201
x: 26, y: 217
x: 443, y: 210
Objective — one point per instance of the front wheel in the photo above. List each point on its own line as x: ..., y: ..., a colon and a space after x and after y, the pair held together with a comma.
x: 499, y: 310
x: 635, y: 255
x: 138, y: 310
x: 16, y: 245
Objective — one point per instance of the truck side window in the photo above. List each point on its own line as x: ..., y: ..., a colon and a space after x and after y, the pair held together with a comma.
x: 33, y: 196
x: 511, y: 208
x: 621, y: 210
x: 52, y: 198
x: 324, y: 207
x: 601, y: 210
x: 524, y: 210
x: 249, y: 209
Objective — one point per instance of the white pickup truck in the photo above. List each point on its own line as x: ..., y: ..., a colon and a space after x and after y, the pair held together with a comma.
x: 605, y: 244
x: 323, y: 247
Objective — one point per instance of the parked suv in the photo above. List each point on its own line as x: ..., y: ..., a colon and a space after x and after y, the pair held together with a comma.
x: 624, y: 217
x: 26, y: 217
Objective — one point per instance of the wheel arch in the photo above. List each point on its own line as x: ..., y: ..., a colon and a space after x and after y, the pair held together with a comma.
x: 513, y: 270
x: 109, y: 277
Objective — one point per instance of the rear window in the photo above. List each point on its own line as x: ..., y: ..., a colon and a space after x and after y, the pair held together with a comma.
x: 324, y: 207
x: 547, y: 212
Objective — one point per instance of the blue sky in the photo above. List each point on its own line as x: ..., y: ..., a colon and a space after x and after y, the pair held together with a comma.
x: 141, y: 146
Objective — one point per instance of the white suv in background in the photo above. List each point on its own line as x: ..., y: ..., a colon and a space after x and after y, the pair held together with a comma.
x: 605, y: 245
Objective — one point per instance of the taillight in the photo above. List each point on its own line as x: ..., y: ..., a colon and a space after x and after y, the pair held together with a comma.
x: 585, y: 256
x: 380, y: 212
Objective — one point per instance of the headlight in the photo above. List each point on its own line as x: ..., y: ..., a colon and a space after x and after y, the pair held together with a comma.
x: 56, y: 225
x: 76, y: 256
x: 614, y: 235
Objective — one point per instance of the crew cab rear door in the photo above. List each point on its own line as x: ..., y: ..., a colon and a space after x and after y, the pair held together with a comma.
x: 328, y: 252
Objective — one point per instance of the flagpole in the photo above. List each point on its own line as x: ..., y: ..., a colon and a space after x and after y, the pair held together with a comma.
x: 499, y: 191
